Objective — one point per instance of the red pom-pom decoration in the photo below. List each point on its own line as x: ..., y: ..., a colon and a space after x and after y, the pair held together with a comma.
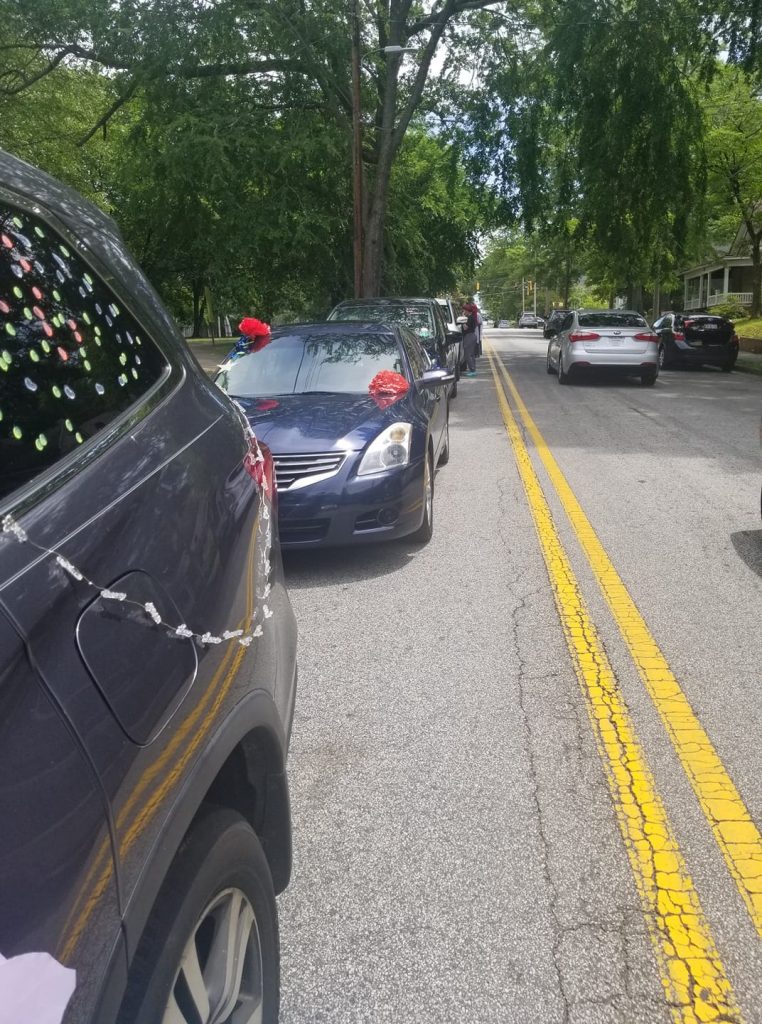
x: 253, y: 328
x: 387, y: 387
x: 389, y: 384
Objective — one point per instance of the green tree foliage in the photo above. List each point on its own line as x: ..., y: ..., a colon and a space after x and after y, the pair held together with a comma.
x: 226, y: 161
x: 596, y: 120
x: 287, y: 52
x: 733, y: 140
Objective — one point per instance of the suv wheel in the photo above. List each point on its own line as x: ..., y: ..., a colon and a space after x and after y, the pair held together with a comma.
x: 210, y: 949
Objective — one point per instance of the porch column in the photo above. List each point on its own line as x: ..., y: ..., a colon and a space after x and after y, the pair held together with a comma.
x: 726, y: 282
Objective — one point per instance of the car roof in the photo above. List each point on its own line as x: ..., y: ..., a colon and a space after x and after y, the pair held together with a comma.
x: 699, y: 312
x: 600, y: 309
x: 337, y: 327
x: 384, y: 300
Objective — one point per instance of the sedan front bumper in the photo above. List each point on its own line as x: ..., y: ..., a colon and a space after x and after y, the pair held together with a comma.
x: 347, y: 509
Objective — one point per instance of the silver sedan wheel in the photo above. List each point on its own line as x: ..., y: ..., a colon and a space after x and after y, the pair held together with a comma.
x: 219, y: 980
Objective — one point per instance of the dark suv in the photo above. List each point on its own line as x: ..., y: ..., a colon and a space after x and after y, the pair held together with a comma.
x: 554, y: 321
x: 694, y: 339
x: 422, y: 316
x: 147, y: 643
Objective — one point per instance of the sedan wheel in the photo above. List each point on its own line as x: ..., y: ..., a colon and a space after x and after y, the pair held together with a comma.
x: 425, y: 531
x: 663, y: 361
x: 563, y: 376
x: 548, y: 364
x: 444, y: 455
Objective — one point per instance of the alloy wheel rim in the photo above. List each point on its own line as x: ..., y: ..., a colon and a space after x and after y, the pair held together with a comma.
x: 219, y: 979
x: 661, y: 356
x: 429, y: 490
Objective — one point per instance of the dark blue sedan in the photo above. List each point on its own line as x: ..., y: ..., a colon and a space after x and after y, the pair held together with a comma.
x: 353, y: 465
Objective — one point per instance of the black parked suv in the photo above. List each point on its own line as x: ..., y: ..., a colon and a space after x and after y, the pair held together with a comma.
x: 554, y: 321
x: 423, y: 316
x: 147, y: 643
x: 694, y: 339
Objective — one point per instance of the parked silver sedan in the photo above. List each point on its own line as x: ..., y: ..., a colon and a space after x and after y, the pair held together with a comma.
x: 617, y: 340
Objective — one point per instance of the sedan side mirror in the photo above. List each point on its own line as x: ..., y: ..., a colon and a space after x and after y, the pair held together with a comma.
x: 432, y: 379
x: 462, y: 321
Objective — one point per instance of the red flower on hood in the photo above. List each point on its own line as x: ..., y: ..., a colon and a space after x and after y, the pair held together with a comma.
x: 387, y: 387
x: 250, y: 327
x: 265, y: 404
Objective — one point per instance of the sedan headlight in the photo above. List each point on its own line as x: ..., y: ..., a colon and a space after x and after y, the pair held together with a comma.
x: 391, y: 448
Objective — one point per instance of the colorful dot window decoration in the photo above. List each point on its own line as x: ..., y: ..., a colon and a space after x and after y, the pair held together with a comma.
x: 68, y: 351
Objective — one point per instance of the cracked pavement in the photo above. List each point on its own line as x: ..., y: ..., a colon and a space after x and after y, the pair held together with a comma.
x: 457, y: 855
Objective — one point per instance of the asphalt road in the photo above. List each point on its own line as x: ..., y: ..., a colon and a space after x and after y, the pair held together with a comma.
x: 458, y: 853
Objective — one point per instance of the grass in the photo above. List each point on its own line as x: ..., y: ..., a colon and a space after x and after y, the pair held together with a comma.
x: 749, y: 328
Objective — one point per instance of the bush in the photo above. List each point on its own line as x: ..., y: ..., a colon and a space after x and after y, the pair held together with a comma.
x: 732, y: 310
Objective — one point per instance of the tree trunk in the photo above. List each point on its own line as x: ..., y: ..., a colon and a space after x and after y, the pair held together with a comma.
x: 377, y: 187
x: 567, y: 281
x: 635, y: 297
x: 756, y: 275
x: 198, y: 307
x: 373, y: 236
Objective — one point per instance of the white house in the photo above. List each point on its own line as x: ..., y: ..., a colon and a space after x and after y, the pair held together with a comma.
x: 724, y: 279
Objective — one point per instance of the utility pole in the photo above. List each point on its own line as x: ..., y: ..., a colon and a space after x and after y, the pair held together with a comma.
x: 356, y: 149
x: 522, y: 295
x: 534, y: 292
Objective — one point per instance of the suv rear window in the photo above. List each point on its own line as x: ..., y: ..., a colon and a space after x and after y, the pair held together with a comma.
x: 71, y: 359
x: 613, y: 319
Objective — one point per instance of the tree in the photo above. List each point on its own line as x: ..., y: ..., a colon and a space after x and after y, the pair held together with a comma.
x: 733, y: 126
x: 290, y: 53
x: 597, y: 121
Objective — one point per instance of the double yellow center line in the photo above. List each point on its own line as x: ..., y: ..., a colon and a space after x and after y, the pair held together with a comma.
x: 694, y: 979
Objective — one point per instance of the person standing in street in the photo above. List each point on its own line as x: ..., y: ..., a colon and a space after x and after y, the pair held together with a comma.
x: 470, y: 338
x: 479, y: 324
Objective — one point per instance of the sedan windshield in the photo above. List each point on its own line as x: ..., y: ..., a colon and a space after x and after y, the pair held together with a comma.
x: 417, y: 317
x: 611, y: 319
x: 297, y: 364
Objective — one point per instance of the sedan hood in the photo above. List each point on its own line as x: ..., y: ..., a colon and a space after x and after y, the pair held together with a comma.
x: 319, y: 422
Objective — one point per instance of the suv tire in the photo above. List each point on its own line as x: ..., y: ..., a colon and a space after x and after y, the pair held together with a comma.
x: 219, y: 875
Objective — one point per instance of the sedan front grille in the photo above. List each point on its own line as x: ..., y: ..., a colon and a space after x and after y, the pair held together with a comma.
x: 290, y: 470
